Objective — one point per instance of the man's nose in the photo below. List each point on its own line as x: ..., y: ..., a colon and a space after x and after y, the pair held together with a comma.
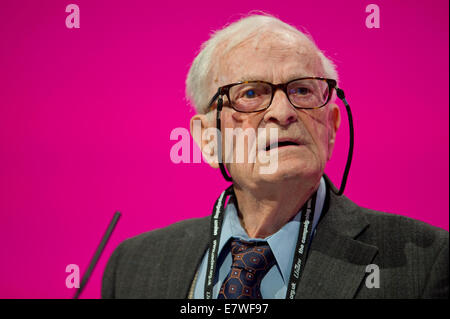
x: 281, y: 110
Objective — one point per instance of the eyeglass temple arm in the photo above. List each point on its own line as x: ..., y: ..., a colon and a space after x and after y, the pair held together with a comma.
x: 341, y: 95
x: 219, y: 138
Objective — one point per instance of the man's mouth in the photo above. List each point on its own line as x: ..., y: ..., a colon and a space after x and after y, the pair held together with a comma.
x: 281, y: 144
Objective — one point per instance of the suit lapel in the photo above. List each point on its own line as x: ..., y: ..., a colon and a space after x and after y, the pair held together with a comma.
x: 337, y: 261
x: 187, y: 255
x: 335, y: 267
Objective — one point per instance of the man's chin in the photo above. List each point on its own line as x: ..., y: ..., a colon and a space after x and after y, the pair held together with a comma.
x: 289, y: 169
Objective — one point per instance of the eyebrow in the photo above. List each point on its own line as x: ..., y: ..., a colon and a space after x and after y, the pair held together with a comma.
x: 250, y: 78
x: 259, y: 78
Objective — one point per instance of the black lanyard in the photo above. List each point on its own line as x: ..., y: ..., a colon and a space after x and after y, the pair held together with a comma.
x: 304, y: 236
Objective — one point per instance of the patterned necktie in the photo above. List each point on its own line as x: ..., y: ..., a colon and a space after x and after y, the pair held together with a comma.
x: 251, y: 261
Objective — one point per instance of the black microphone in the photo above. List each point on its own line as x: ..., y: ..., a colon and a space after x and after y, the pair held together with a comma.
x: 99, y: 251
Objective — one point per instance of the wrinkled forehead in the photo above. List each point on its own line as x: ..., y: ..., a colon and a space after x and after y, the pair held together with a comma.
x: 274, y: 56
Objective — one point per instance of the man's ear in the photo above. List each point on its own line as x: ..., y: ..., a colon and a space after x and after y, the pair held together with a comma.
x: 204, y: 134
x: 334, y: 121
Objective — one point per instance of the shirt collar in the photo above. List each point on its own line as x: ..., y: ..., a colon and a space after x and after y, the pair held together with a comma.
x: 283, y: 242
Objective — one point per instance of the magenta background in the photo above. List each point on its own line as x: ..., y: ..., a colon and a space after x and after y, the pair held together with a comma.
x: 86, y: 115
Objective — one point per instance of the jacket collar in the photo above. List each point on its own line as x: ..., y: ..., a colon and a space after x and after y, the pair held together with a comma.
x: 337, y: 260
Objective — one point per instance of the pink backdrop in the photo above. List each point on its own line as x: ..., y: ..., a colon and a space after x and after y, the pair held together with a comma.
x: 86, y: 115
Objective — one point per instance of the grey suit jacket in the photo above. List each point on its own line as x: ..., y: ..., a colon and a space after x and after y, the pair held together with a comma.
x: 412, y: 257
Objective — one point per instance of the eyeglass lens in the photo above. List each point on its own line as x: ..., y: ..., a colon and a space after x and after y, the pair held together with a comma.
x: 304, y: 93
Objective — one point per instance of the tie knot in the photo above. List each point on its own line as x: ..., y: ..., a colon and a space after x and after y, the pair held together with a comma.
x: 252, y: 256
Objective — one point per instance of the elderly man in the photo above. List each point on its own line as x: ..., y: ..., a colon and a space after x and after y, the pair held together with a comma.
x: 283, y: 234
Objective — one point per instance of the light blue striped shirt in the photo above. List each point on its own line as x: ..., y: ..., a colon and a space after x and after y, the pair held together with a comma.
x: 282, y: 243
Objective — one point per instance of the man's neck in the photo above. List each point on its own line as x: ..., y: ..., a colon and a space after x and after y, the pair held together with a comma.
x: 264, y: 211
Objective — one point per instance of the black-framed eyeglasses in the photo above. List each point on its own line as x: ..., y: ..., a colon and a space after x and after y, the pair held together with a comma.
x: 256, y: 96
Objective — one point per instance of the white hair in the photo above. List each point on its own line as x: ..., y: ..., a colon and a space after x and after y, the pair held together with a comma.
x: 253, y: 26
